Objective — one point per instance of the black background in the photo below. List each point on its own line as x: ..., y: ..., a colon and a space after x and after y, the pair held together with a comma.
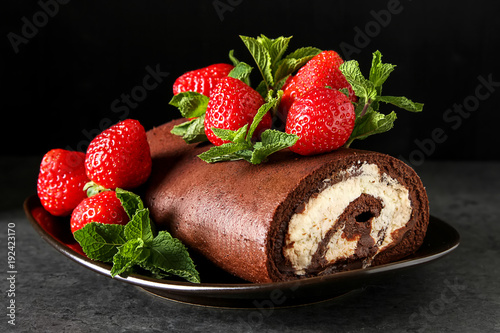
x: 58, y: 89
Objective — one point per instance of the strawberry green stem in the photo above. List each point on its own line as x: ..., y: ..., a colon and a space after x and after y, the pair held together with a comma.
x: 93, y: 188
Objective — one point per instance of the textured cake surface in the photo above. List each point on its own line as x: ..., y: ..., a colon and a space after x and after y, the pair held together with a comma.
x: 291, y: 217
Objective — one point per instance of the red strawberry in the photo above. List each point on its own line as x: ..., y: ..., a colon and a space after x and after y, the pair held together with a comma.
x: 201, y: 80
x: 119, y: 156
x: 321, y: 71
x: 323, y: 119
x: 61, y: 180
x: 287, y: 82
x: 232, y: 105
x: 103, y: 207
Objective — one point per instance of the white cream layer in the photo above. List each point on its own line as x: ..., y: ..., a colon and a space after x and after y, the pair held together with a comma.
x: 308, y: 228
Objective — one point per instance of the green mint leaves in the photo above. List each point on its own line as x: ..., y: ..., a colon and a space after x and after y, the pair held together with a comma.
x: 192, y: 130
x: 192, y: 105
x: 100, y: 241
x: 369, y: 92
x: 274, y: 66
x: 241, y: 70
x: 136, y: 244
x: 241, y: 146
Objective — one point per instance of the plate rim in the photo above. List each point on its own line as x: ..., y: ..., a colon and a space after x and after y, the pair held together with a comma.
x: 230, y: 289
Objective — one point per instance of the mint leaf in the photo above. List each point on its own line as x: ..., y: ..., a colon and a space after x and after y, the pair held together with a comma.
x: 345, y: 91
x: 241, y: 72
x: 241, y: 146
x: 162, y: 253
x: 304, y: 54
x: 283, y: 67
x: 236, y: 62
x: 140, y: 227
x: 237, y: 136
x: 263, y: 110
x: 272, y: 141
x: 292, y: 62
x: 271, y: 136
x: 131, y: 202
x: 191, y: 131
x: 379, y: 72
x: 132, y: 248
x: 155, y: 272
x: 191, y: 104
x: 169, y: 255
x: 372, y: 122
x: 121, y: 265
x: 224, y: 152
x: 262, y: 58
x: 233, y: 59
x: 362, y: 87
x: 402, y: 102
x: 268, y: 54
x: 100, y: 241
x: 275, y: 47
x: 368, y: 120
x: 262, y: 89
x: 129, y: 254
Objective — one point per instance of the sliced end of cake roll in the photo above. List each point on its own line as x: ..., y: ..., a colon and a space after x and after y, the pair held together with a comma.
x: 361, y: 210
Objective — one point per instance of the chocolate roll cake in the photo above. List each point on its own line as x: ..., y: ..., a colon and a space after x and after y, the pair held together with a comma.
x: 291, y: 217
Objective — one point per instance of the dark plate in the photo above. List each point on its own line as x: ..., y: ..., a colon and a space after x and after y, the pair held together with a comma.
x: 223, y: 290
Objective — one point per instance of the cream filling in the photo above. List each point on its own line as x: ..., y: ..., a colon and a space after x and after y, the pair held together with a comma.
x: 308, y: 228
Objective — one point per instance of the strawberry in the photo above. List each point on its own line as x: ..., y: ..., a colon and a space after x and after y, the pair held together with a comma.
x: 323, y: 118
x: 61, y: 180
x: 201, y: 80
x: 321, y: 71
x: 119, y: 156
x: 103, y: 207
x: 232, y: 105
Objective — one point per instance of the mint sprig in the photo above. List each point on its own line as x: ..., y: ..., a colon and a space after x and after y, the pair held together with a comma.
x: 136, y: 244
x: 241, y: 146
x: 191, y: 131
x: 191, y: 105
x: 274, y: 66
x: 100, y: 241
x: 241, y: 72
x: 369, y: 120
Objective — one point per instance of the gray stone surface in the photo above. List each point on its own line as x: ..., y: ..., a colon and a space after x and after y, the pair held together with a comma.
x: 458, y: 293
